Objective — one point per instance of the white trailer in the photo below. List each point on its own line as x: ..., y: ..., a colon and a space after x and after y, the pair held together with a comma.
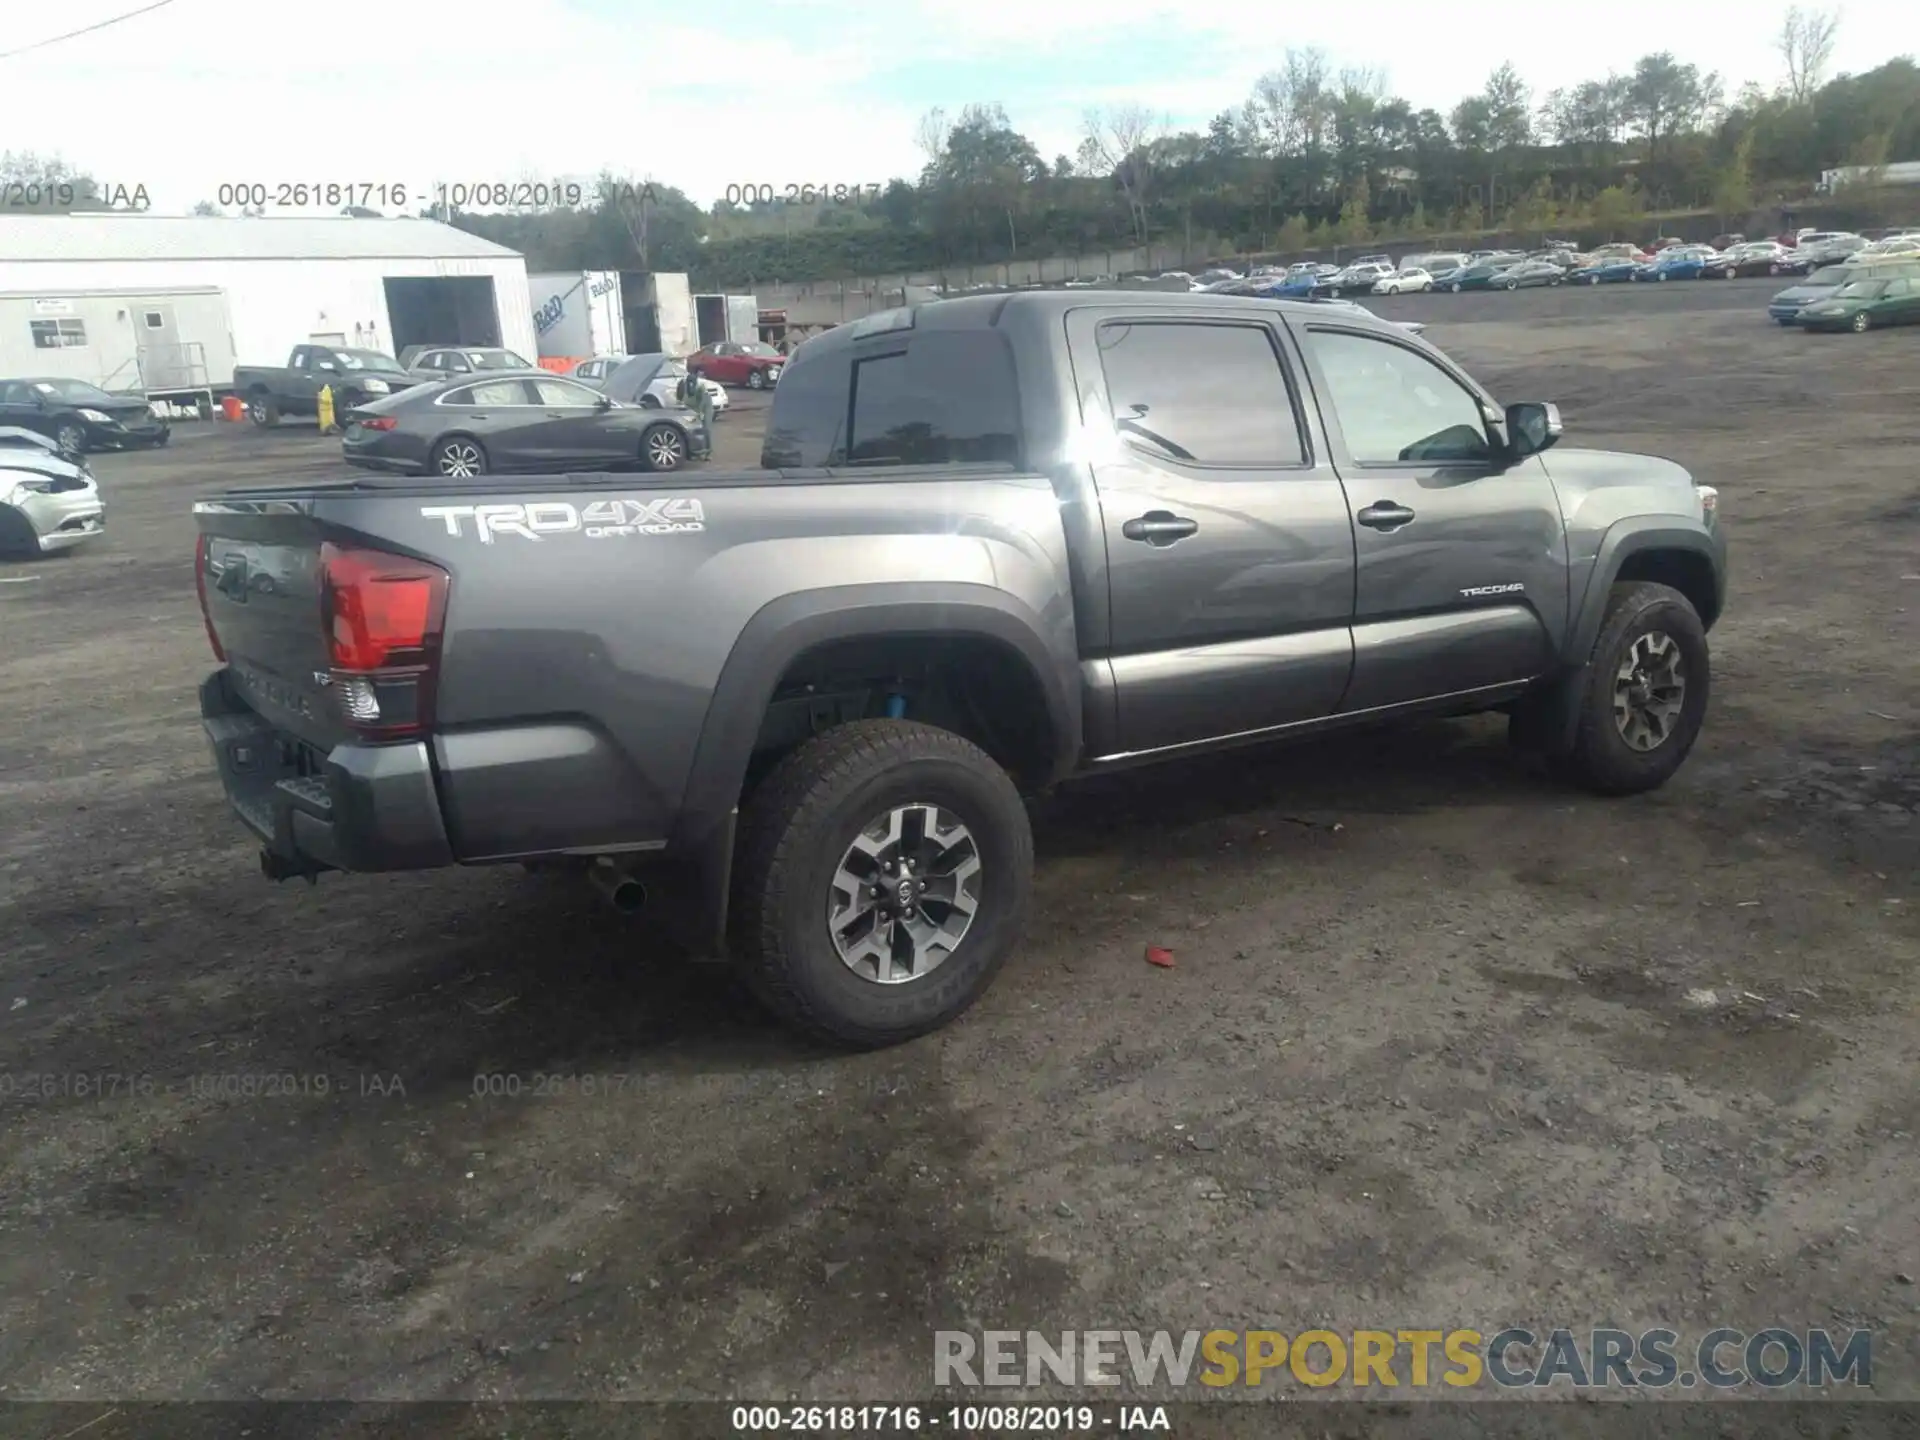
x: 578, y: 314
x: 172, y: 344
x: 1906, y: 172
x: 727, y: 317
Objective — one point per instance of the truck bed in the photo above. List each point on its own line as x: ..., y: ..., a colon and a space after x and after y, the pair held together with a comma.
x: 595, y: 637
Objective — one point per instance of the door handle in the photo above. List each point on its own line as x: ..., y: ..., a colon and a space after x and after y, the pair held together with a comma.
x: 1385, y: 515
x: 1159, y: 528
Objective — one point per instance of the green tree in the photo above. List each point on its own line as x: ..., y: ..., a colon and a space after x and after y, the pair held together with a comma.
x: 1355, y: 225
x: 1293, y: 236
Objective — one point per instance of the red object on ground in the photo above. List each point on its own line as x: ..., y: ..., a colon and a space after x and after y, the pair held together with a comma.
x: 232, y: 407
x: 1161, y: 956
x: 559, y: 364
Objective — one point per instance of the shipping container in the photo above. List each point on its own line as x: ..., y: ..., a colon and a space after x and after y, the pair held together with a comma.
x: 169, y: 344
x: 578, y: 313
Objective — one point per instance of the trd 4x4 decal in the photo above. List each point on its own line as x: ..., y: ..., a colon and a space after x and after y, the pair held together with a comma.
x: 598, y: 520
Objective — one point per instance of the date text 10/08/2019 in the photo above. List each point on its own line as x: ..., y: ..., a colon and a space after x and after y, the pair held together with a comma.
x: 764, y: 194
x: 59, y: 196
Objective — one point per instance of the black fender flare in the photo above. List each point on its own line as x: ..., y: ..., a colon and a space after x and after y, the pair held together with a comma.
x: 786, y: 628
x: 1623, y: 539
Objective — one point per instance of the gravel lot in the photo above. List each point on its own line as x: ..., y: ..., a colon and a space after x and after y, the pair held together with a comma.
x: 1445, y: 1044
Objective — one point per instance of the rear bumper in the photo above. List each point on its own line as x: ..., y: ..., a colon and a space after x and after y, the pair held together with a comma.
x: 361, y: 807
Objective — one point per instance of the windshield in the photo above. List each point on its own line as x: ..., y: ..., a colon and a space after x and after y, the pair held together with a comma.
x: 77, y: 391
x: 367, y: 360
x: 1832, y: 275
x: 756, y: 348
x: 1860, y: 290
x: 495, y: 360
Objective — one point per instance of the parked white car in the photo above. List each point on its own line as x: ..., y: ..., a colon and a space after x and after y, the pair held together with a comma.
x: 1404, y: 282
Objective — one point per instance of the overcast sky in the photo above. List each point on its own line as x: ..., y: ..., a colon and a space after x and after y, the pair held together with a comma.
x: 735, y: 92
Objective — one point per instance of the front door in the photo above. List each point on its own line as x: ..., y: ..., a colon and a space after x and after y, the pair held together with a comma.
x: 1229, y: 552
x: 574, y: 429
x: 1462, y: 582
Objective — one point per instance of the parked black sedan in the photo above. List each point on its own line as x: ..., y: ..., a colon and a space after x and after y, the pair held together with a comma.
x: 531, y: 422
x: 79, y: 417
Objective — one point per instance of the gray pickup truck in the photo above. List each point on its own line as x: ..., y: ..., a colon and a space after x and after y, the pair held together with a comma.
x: 999, y: 542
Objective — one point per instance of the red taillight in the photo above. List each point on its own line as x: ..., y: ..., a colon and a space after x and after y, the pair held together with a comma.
x: 200, y: 588
x: 383, y: 615
x: 378, y: 422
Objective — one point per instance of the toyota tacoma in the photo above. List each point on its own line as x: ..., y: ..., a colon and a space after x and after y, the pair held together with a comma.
x: 997, y: 542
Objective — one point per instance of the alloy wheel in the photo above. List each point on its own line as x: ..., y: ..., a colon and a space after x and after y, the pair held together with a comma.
x: 905, y: 893
x: 1649, y: 691
x: 665, y: 449
x: 460, y: 460
x: 71, y: 439
x: 757, y: 380
x: 1862, y: 322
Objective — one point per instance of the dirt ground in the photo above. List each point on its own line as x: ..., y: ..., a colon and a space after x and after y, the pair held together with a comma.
x: 1445, y: 1045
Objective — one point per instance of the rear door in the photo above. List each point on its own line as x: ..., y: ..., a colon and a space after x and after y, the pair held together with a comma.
x: 1229, y: 551
x: 505, y: 416
x: 1462, y: 575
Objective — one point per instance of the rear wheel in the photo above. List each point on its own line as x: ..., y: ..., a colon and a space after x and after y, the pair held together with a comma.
x: 663, y: 448
x: 884, y: 875
x: 1646, y: 696
x: 459, y: 458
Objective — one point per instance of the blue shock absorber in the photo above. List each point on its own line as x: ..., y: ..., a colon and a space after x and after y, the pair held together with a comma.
x: 896, y: 707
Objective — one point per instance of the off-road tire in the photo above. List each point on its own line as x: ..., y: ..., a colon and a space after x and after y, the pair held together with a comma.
x: 1600, y: 759
x: 263, y: 410
x: 795, y: 829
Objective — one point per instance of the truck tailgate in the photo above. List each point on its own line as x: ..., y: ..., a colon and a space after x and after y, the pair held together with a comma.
x: 260, y: 574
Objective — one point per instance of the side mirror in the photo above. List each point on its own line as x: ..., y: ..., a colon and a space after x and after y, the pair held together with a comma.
x: 604, y: 402
x: 1531, y: 428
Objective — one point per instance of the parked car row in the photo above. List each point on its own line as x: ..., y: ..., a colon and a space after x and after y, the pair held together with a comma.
x: 1864, y: 293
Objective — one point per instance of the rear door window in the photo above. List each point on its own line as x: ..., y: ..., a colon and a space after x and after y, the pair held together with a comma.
x: 948, y: 398
x: 496, y: 392
x: 1203, y: 394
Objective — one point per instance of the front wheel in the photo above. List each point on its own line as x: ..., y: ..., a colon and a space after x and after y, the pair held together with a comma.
x: 71, y: 437
x: 459, y: 458
x: 1593, y: 280
x: 1663, y: 275
x: 264, y: 410
x: 1513, y: 284
x: 757, y: 380
x: 663, y: 448
x: 1455, y: 287
x: 1647, y: 692
x: 1862, y: 323
x: 885, y: 871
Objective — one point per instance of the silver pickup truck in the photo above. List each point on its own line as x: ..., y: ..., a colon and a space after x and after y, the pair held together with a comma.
x: 998, y: 542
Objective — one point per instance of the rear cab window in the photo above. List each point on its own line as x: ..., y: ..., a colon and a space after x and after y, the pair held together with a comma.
x: 912, y: 397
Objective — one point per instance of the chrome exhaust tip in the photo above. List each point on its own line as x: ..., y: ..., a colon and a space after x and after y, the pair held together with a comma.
x: 621, y: 889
